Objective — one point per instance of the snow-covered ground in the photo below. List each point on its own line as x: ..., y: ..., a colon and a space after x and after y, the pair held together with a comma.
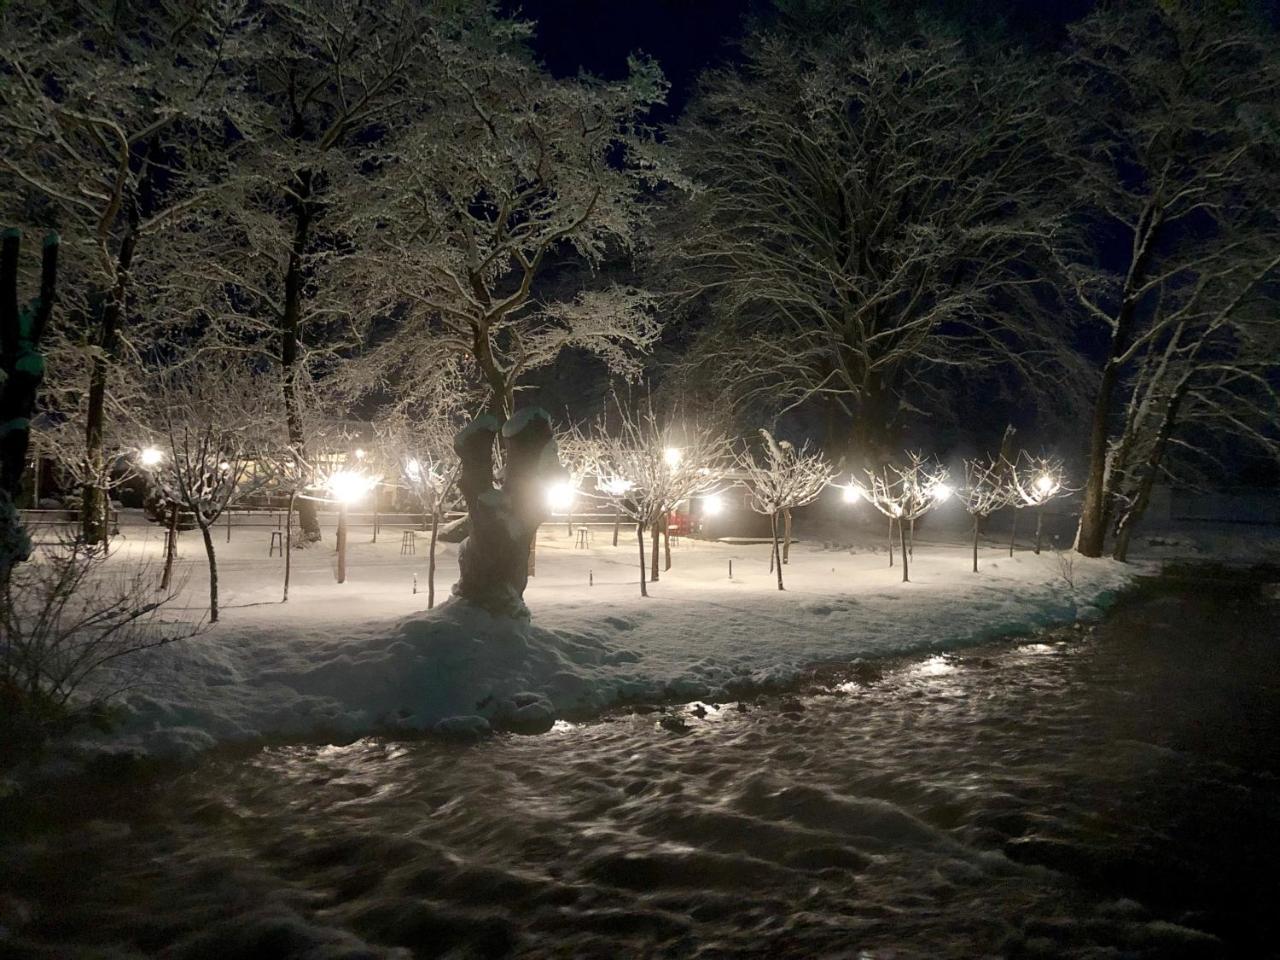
x: 365, y: 655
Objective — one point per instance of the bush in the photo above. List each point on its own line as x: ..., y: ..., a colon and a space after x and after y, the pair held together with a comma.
x: 65, y: 616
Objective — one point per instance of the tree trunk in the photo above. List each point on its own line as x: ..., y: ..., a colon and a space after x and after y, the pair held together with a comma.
x: 1013, y: 530
x: 1039, y: 526
x: 891, y: 541
x: 777, y: 549
x: 493, y: 562
x: 1092, y: 533
x: 431, y: 557
x: 213, y: 572
x: 342, y: 543
x: 902, y: 537
x: 1149, y: 472
x: 640, y: 539
x: 21, y: 372
x: 94, y: 492
x: 911, y: 540
x: 657, y: 540
x: 786, y: 542
x: 288, y: 544
x: 976, y: 522
x: 666, y: 542
x: 531, y: 565
x: 617, y: 522
x: 303, y: 209
x: 170, y: 547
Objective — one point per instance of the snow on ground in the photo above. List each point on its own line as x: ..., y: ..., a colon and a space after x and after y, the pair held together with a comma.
x: 340, y: 659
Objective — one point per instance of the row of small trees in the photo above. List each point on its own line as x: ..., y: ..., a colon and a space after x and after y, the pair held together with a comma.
x: 644, y: 466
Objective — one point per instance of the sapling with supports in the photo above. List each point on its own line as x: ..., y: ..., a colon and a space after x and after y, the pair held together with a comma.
x: 905, y: 494
x: 1036, y: 481
x: 986, y: 490
x: 783, y: 479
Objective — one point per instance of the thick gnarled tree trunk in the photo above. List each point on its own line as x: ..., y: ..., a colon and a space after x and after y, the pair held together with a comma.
x: 493, y: 560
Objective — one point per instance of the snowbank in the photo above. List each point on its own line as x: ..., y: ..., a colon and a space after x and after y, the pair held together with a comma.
x: 344, y: 660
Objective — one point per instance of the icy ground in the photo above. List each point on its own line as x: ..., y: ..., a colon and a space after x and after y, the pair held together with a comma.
x: 342, y: 660
x: 1108, y: 795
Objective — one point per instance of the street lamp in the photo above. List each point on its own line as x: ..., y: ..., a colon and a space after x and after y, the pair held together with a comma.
x: 347, y: 487
x: 673, y: 456
x: 851, y: 494
x: 713, y: 505
x: 150, y: 457
x: 940, y: 492
x: 560, y: 496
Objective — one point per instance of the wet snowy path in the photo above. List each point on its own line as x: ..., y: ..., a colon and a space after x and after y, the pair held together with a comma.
x: 1101, y: 795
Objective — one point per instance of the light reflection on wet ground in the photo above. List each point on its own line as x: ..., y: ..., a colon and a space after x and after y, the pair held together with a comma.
x: 1095, y: 795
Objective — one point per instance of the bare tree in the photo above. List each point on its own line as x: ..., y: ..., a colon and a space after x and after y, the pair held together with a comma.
x: 425, y: 459
x: 986, y: 489
x: 866, y: 216
x: 647, y: 464
x: 210, y: 419
x: 111, y: 126
x: 905, y: 494
x: 1036, y: 481
x: 1177, y: 157
x: 510, y: 171
x: 785, y: 477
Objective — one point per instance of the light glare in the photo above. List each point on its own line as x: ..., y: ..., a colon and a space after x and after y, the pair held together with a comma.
x: 560, y: 495
x: 713, y: 505
x: 348, y: 486
x: 151, y: 456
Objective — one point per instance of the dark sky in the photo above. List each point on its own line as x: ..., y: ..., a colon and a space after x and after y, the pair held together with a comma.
x: 686, y: 36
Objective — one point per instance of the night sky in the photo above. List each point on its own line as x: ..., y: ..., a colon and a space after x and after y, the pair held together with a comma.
x: 687, y: 36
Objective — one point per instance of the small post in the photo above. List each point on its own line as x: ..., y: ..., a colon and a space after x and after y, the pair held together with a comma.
x: 415, y: 581
x: 342, y: 542
x: 1013, y: 530
x: 228, y: 524
x: 591, y: 578
x: 730, y: 568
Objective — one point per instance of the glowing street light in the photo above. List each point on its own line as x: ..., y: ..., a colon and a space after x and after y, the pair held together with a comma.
x: 673, y: 456
x: 560, y: 496
x: 851, y: 494
x: 618, y: 487
x: 413, y: 469
x: 359, y: 453
x: 1045, y: 484
x: 347, y: 487
x: 713, y: 505
x: 940, y: 492
x: 151, y: 457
